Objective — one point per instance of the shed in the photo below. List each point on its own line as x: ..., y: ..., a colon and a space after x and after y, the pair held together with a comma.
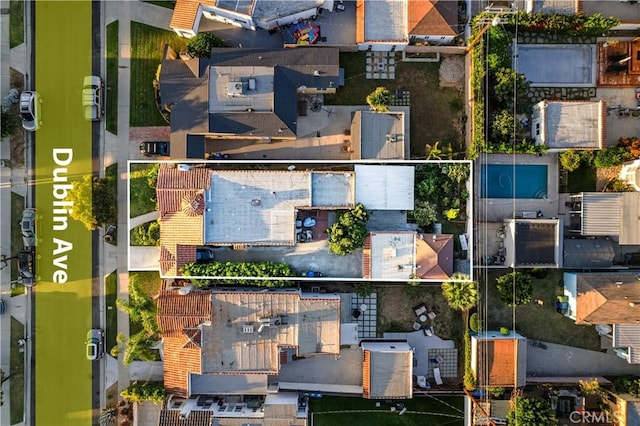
x: 385, y: 187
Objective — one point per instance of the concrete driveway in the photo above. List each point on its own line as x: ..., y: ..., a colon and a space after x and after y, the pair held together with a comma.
x: 618, y: 127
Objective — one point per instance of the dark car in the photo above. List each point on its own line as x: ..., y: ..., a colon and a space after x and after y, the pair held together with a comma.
x: 154, y: 148
x: 95, y: 344
x: 25, y: 268
x: 204, y: 255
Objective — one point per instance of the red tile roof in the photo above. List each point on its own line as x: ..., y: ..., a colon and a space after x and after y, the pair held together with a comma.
x: 177, y: 312
x: 185, y: 13
x: 360, y: 21
x: 432, y: 17
x: 435, y: 256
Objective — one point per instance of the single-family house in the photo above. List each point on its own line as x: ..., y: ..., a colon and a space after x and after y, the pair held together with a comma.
x: 378, y: 136
x: 607, y: 298
x: 200, y: 206
x: 498, y: 360
x: 563, y: 125
x: 433, y: 21
x: 248, y: 14
x: 625, y: 406
x: 530, y: 243
x: 240, y: 94
x: 387, y: 370
x: 221, y: 347
x: 382, y: 25
x: 607, y: 214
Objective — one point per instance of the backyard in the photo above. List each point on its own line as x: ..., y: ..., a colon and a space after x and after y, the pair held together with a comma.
x: 536, y: 321
x: 436, y: 113
x: 147, y: 45
x: 111, y: 116
x: 142, y: 195
x: 433, y: 411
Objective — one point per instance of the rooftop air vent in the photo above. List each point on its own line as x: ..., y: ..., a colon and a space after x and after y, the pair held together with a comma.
x: 234, y: 88
x: 247, y: 328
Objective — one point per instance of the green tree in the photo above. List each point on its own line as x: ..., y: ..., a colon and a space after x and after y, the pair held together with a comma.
x: 380, y: 99
x: 349, y: 232
x: 200, y: 46
x: 425, y: 214
x: 457, y: 172
x: 610, y: 157
x: 94, y: 201
x: 140, y: 307
x: 504, y: 126
x: 515, y: 288
x: 505, y: 79
x: 570, y: 160
x: 461, y: 294
x: 9, y: 123
x: 526, y: 411
x: 139, y: 346
x: 145, y: 391
x: 474, y: 322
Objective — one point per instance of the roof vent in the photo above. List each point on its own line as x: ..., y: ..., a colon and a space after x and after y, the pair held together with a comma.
x: 317, y: 73
x: 247, y: 329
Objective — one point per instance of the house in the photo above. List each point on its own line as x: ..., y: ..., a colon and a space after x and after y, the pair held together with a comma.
x: 381, y: 187
x: 630, y: 173
x: 221, y: 347
x: 200, y: 206
x: 607, y: 298
x: 563, y: 125
x: 408, y: 255
x: 248, y: 14
x: 610, y: 214
x: 582, y: 253
x: 240, y: 94
x: 498, y: 360
x: 379, y: 136
x: 531, y: 243
x: 381, y: 25
x: 387, y: 370
x: 432, y: 21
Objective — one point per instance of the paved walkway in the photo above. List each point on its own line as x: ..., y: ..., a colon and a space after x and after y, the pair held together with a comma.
x: 139, y: 220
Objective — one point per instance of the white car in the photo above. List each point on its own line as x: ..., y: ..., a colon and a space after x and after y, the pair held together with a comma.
x: 92, y: 98
x: 28, y: 228
x: 30, y: 110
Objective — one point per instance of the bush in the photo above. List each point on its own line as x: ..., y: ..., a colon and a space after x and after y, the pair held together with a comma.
x: 504, y: 126
x: 349, y: 232
x: 364, y: 289
x: 147, y: 391
x: 379, y: 99
x: 504, y: 331
x: 632, y: 145
x: 570, y: 160
x: 425, y: 214
x: 474, y: 322
x: 610, y: 157
x: 527, y: 411
x: 10, y: 122
x: 627, y: 384
x: 514, y: 288
x: 540, y: 273
x: 451, y: 214
x: 496, y: 392
x: 590, y: 387
x: 147, y: 234
x: 469, y: 379
x: 617, y: 185
x: 240, y: 269
x: 94, y: 201
x: 200, y: 46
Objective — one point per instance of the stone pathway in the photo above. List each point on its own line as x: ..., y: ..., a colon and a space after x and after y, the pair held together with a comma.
x: 381, y: 66
x: 537, y: 94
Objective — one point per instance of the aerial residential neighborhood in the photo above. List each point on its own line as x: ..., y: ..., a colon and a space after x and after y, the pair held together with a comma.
x: 320, y: 212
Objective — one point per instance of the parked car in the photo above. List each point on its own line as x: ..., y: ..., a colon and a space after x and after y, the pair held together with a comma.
x: 204, y: 255
x: 25, y: 268
x: 154, y: 148
x: 30, y: 110
x: 95, y: 344
x: 28, y: 228
x: 92, y: 98
x: 3, y: 307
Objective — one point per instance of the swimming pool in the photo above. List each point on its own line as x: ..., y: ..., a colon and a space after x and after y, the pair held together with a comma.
x: 509, y: 181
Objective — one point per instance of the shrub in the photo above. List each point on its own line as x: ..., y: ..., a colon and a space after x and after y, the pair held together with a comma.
x: 147, y: 391
x: 240, y: 269
x: 526, y: 411
x: 631, y: 144
x: 570, y: 160
x: 514, y: 288
x: 610, y: 157
x: 10, y: 122
x: 496, y: 392
x: 540, y: 273
x: 200, y: 46
x: 364, y: 289
x: 349, y: 232
x: 618, y: 185
x: 504, y: 126
x: 474, y: 322
x: 628, y: 384
x: 469, y: 379
x: 504, y: 331
x: 451, y: 214
x: 379, y: 99
x: 147, y: 234
x: 425, y: 214
x: 590, y: 387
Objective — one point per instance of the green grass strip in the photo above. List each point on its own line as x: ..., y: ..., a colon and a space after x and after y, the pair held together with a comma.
x: 16, y: 23
x: 17, y: 206
x: 63, y: 311
x: 147, y: 44
x: 111, y: 101
x: 16, y: 381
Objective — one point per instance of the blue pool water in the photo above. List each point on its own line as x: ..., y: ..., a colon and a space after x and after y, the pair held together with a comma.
x: 508, y: 181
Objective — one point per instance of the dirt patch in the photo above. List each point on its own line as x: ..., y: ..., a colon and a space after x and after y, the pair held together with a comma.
x: 452, y: 71
x: 606, y: 175
x: 16, y: 141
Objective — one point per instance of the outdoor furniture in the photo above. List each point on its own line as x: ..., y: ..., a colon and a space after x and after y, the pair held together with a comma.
x: 420, y: 309
x: 431, y: 315
x: 436, y: 376
x: 416, y: 326
x: 428, y: 331
x: 422, y: 318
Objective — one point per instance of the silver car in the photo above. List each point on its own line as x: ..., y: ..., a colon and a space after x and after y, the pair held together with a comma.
x: 30, y: 110
x: 28, y: 228
x: 94, y: 344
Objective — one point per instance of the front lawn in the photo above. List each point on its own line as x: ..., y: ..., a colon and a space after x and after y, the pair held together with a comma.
x: 16, y: 381
x: 150, y: 284
x: 111, y: 102
x: 17, y: 206
x: 537, y: 321
x: 110, y: 293
x: 435, y: 111
x: 147, y: 45
x: 143, y: 196
x: 16, y: 23
x: 336, y: 411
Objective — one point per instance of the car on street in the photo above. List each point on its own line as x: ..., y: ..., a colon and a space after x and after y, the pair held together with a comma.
x: 3, y: 307
x: 28, y: 228
x: 154, y: 148
x: 95, y: 344
x: 30, y: 110
x: 92, y: 98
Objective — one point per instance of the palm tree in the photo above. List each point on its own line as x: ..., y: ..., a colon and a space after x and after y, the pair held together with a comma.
x: 461, y: 293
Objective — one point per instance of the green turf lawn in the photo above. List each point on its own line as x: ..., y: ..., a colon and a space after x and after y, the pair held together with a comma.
x: 110, y: 292
x: 16, y: 23
x: 534, y: 321
x: 17, y: 206
x: 147, y: 44
x: 150, y: 283
x: 16, y: 381
x: 581, y: 180
x: 141, y: 193
x: 111, y: 101
x: 431, y: 411
x: 434, y: 109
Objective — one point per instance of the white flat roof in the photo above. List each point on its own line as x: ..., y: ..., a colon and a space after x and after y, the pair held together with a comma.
x: 385, y: 187
x: 385, y: 20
